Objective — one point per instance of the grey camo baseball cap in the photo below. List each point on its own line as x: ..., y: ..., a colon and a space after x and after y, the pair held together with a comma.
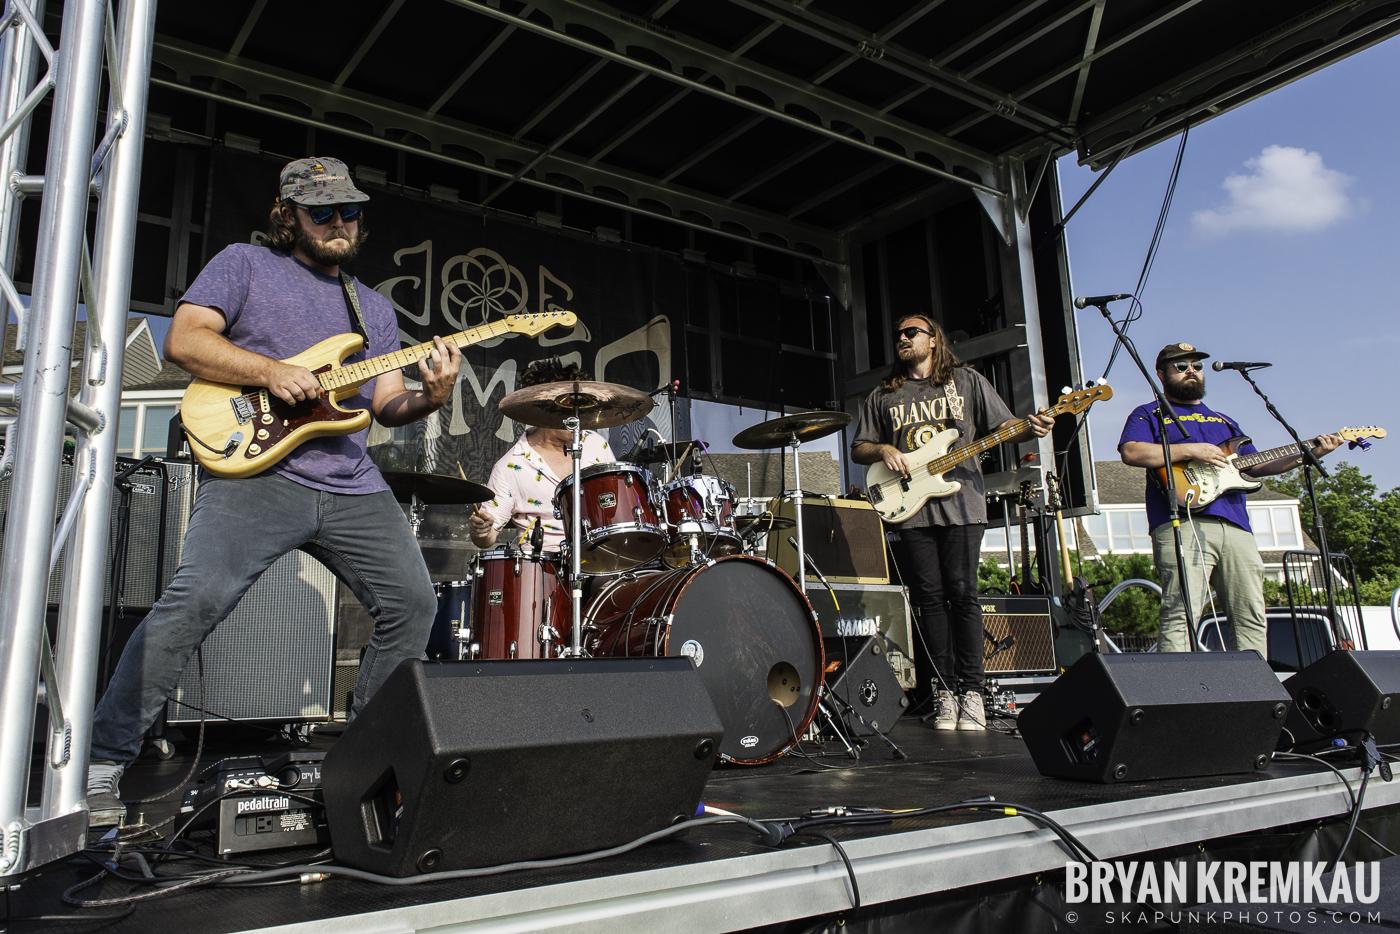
x: 319, y: 181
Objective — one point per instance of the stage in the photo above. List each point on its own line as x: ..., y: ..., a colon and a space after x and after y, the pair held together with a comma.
x: 720, y: 877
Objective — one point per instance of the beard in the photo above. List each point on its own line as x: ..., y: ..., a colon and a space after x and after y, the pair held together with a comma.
x: 910, y: 356
x: 335, y: 249
x: 1188, y: 392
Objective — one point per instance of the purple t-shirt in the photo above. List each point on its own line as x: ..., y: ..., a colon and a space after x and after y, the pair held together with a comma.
x: 1194, y: 424
x: 277, y: 306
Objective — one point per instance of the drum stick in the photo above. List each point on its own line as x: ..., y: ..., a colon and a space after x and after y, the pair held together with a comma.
x: 680, y: 460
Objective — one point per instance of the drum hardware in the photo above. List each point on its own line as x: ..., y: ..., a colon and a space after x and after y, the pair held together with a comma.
x: 420, y: 490
x: 791, y: 431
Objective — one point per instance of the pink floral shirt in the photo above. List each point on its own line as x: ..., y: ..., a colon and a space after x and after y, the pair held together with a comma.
x: 524, y: 486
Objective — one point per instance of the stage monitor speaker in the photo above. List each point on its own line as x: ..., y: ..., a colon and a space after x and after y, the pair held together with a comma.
x: 1345, y: 693
x: 844, y: 537
x: 1020, y: 637
x: 459, y: 764
x: 859, y: 676
x: 1143, y: 716
x: 271, y: 659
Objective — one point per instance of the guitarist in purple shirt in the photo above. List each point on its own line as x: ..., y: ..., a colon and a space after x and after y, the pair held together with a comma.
x: 1218, y: 542
x: 249, y: 309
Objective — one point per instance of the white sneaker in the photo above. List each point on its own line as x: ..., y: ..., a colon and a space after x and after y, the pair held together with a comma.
x: 947, y: 718
x: 104, y: 803
x: 973, y: 715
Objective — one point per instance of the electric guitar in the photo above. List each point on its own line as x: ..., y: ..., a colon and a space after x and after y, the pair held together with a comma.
x: 896, y: 497
x: 1199, y: 483
x: 239, y: 431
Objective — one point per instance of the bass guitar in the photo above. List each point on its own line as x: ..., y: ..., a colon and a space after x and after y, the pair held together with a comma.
x: 896, y: 497
x: 240, y: 431
x: 1198, y: 483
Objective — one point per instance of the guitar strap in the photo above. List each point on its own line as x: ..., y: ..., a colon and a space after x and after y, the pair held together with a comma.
x: 955, y: 401
x: 357, y: 318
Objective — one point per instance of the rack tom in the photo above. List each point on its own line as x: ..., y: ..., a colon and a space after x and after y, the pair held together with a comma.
x: 621, y: 526
x: 700, y: 515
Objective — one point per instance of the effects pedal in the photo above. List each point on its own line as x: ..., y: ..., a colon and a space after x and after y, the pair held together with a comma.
x: 262, y: 806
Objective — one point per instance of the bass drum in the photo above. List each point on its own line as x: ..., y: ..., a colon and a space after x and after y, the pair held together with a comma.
x: 748, y: 630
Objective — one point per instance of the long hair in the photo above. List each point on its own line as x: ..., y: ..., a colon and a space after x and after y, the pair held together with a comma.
x: 944, y: 360
x: 282, y: 235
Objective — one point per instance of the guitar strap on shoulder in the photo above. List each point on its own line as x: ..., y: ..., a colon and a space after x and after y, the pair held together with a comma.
x: 357, y: 318
x: 955, y: 401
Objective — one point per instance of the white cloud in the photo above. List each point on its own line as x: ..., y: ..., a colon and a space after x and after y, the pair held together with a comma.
x: 1288, y: 189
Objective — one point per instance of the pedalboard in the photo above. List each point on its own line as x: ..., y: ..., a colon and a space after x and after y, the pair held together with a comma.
x: 262, y: 805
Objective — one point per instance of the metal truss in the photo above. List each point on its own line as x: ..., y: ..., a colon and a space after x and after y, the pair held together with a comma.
x: 790, y: 96
x: 64, y: 272
x: 555, y: 171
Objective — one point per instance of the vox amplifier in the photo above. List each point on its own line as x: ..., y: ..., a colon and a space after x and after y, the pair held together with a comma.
x: 1020, y: 636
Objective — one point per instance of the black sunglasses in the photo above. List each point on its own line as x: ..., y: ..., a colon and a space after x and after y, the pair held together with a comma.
x: 1183, y: 365
x: 349, y: 213
x: 909, y: 333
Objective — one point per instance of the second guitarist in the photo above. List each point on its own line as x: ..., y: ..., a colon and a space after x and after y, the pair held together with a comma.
x: 1219, y: 545
x: 927, y: 390
x: 250, y: 306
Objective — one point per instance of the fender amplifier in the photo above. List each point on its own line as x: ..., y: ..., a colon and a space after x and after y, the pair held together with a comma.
x: 844, y: 537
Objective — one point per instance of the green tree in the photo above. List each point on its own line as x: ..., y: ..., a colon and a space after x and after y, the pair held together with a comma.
x: 1132, y: 611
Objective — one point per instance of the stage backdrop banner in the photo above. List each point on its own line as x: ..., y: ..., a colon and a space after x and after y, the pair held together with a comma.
x: 445, y: 270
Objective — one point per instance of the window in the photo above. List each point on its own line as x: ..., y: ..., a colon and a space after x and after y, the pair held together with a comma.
x: 148, y: 423
x: 1275, y: 527
x: 995, y: 539
x: 1121, y: 530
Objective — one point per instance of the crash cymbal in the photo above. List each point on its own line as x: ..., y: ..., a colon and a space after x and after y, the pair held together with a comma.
x: 656, y: 454
x: 600, y: 405
x: 778, y: 432
x: 767, y: 522
x: 434, y: 489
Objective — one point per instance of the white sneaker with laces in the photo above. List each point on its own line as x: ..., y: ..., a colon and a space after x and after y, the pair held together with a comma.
x: 973, y: 715
x: 947, y: 718
x: 103, y: 797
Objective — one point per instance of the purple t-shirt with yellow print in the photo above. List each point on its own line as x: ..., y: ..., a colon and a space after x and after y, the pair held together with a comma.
x: 1193, y: 424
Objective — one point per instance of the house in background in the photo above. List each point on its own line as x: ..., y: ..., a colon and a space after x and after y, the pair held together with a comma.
x: 1121, y: 525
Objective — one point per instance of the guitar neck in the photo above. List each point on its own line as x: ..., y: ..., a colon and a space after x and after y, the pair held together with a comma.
x: 1263, y: 457
x: 952, y: 459
x: 357, y: 374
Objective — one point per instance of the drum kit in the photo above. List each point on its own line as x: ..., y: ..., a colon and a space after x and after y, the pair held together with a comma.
x: 669, y: 565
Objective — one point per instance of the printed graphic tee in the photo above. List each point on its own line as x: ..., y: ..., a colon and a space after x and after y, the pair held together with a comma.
x: 911, y: 415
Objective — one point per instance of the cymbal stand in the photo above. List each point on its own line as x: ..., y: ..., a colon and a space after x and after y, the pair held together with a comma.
x: 576, y: 532
x: 833, y: 721
x: 416, y: 510
x: 794, y: 442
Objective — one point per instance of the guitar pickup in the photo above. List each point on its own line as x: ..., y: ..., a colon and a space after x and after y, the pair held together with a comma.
x: 875, y: 493
x: 242, y: 409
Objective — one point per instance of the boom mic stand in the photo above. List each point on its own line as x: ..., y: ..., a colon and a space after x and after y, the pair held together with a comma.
x: 1163, y: 411
x: 1310, y: 463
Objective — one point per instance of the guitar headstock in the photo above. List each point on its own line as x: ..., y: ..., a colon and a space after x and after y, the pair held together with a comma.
x: 1358, y: 434
x: 1052, y: 491
x: 1079, y: 400
x: 537, y: 323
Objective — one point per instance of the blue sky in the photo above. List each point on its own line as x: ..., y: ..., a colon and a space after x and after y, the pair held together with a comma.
x: 1296, y: 262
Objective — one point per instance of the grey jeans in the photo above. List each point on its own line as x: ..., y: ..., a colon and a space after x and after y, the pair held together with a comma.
x: 1228, y: 557
x: 237, y: 530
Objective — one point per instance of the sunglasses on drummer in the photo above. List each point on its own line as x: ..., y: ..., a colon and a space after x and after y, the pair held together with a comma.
x: 321, y: 213
x: 910, y: 332
x: 1183, y: 365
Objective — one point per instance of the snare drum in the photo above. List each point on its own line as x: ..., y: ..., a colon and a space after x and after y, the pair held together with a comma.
x: 621, y: 528
x: 746, y: 627
x: 700, y: 514
x: 520, y: 606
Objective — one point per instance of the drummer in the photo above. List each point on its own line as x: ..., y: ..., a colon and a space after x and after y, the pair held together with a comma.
x: 525, y: 478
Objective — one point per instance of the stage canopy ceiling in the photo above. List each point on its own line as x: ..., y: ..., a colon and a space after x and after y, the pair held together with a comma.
x: 794, y: 123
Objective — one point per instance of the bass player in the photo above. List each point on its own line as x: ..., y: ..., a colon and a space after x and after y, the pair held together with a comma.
x: 250, y: 308
x: 927, y: 390
x: 1218, y: 544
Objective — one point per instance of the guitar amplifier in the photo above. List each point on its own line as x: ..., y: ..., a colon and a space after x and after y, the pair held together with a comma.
x: 869, y: 610
x: 845, y: 538
x: 1020, y: 635
x: 162, y: 495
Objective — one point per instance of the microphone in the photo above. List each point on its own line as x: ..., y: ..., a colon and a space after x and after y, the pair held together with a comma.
x: 537, y: 537
x: 632, y: 455
x: 1221, y: 366
x: 1084, y: 301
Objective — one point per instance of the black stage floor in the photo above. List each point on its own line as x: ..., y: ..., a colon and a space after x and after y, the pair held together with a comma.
x: 941, y: 768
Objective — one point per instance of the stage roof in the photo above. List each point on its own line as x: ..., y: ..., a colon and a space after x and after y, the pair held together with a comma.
x: 796, y: 124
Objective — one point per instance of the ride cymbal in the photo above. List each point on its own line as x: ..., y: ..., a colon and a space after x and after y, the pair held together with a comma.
x: 599, y: 405
x: 778, y: 432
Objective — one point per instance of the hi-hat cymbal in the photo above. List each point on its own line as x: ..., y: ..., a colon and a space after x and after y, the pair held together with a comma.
x: 600, y: 405
x: 767, y: 522
x: 778, y: 432
x: 434, y: 489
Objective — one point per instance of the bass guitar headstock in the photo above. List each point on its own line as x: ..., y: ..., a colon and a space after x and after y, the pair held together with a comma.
x: 1080, y: 399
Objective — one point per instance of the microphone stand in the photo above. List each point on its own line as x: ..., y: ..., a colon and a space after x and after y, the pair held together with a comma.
x: 1310, y: 463
x: 1163, y: 410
